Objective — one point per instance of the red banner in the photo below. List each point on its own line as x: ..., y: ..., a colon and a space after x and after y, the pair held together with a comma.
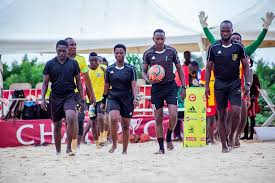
x: 30, y: 132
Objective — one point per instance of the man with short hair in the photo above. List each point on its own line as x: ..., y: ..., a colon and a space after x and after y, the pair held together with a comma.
x: 61, y: 71
x: 166, y: 89
x: 72, y: 53
x: 226, y: 55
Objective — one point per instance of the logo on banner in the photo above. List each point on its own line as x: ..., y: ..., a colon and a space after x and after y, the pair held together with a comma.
x: 191, y: 130
x: 191, y: 138
x: 204, y: 110
x: 191, y: 119
x: 204, y: 98
x: 192, y: 97
x: 192, y: 110
x: 203, y: 130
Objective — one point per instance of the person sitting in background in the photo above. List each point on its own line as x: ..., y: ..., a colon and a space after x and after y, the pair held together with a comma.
x: 254, y: 107
x: 194, y: 74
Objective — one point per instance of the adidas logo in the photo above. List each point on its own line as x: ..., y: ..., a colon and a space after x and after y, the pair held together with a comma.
x: 192, y: 110
x: 219, y: 52
x: 112, y: 72
x: 153, y: 57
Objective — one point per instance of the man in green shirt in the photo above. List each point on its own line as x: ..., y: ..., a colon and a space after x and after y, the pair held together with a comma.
x: 250, y: 49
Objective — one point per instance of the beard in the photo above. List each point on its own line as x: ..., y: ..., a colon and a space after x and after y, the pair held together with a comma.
x: 225, y: 38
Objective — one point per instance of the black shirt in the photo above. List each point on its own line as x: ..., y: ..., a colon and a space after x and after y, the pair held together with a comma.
x: 120, y: 79
x: 226, y: 60
x: 62, y: 75
x: 166, y: 58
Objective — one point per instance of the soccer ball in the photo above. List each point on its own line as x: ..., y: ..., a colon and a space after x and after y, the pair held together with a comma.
x: 156, y: 73
x: 134, y: 138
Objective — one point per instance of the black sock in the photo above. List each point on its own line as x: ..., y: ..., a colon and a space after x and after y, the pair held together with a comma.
x: 161, y: 144
x: 168, y: 135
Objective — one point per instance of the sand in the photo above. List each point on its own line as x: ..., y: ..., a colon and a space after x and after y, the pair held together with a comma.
x: 253, y: 162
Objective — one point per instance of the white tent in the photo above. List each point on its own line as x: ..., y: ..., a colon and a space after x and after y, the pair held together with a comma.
x: 35, y: 25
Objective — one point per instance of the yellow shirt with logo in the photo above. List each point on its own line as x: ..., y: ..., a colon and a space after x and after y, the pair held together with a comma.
x: 97, y: 78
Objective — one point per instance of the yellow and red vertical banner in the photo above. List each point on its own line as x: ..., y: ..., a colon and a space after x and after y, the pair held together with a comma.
x: 195, y: 118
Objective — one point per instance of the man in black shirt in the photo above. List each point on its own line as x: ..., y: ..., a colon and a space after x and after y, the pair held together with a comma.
x: 61, y: 72
x: 187, y: 58
x: 166, y: 89
x: 226, y: 56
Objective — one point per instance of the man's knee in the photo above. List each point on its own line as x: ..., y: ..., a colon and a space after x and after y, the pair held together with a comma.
x: 125, y: 127
x: 70, y: 116
x: 173, y: 117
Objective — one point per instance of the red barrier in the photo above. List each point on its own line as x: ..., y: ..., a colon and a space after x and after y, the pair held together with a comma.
x: 29, y: 132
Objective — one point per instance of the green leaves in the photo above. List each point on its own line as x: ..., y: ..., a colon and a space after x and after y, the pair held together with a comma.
x: 28, y: 71
x: 136, y: 61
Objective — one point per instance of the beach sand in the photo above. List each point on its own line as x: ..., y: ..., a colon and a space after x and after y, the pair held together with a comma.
x: 253, y: 162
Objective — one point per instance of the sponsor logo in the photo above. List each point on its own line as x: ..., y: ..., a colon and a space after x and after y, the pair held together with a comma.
x: 192, y: 110
x: 191, y: 119
x: 209, y: 109
x: 234, y: 56
x: 191, y: 138
x: 191, y: 130
x: 204, y: 98
x: 192, y: 97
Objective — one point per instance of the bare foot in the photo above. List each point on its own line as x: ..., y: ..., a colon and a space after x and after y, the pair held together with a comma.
x: 83, y: 141
x: 170, y: 146
x: 112, y: 149
x: 159, y: 152
x: 225, y: 150
x: 69, y: 152
x: 230, y: 143
x: 237, y: 143
x: 98, y: 147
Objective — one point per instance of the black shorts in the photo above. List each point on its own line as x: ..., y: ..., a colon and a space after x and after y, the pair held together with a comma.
x: 58, y: 105
x: 227, y: 90
x: 161, y: 92
x: 123, y: 104
x: 97, y: 110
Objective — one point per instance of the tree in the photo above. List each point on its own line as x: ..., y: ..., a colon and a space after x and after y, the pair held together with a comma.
x: 136, y: 61
x: 28, y: 71
x: 266, y: 75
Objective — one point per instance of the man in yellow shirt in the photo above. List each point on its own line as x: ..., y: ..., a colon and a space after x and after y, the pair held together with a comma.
x: 97, y: 76
x: 72, y: 53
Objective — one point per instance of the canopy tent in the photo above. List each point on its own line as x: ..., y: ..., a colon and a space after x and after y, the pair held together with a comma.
x: 35, y: 25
